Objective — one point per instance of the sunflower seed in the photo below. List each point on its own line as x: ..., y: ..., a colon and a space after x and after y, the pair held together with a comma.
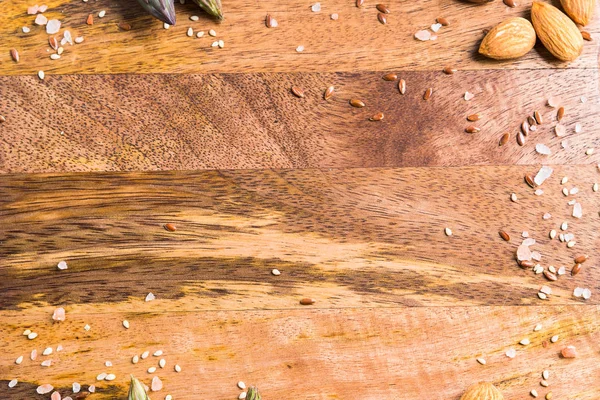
x: 328, y: 93
x: 297, y: 91
x: 357, y: 103
x: 377, y: 117
x: 382, y: 18
x: 427, y: 94
x: 504, y: 139
x: 560, y: 113
x: 402, y: 86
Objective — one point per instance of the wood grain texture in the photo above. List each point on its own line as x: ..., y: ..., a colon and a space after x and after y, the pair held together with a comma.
x: 229, y: 121
x: 356, y: 42
x: 369, y: 354
x: 347, y: 238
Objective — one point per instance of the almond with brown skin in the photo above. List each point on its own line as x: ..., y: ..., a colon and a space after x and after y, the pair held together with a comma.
x: 482, y: 391
x: 556, y: 31
x: 580, y: 11
x: 509, y: 39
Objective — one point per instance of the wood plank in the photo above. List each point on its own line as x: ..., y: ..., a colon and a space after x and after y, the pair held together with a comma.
x: 356, y: 42
x: 232, y: 121
x: 312, y: 354
x: 348, y: 238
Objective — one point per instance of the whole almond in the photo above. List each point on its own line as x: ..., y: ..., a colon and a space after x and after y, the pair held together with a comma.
x: 580, y: 11
x: 482, y: 391
x: 512, y: 38
x: 556, y: 31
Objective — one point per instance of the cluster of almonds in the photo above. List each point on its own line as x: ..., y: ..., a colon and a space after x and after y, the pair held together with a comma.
x: 516, y: 36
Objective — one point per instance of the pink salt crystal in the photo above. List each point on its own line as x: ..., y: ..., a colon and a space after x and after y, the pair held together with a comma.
x: 59, y: 347
x: 46, y: 363
x: 433, y: 37
x: 156, y: 384
x: 52, y: 27
x: 59, y: 314
x: 569, y: 352
x: 45, y: 388
x: 92, y: 388
x: 469, y: 96
x: 33, y: 354
x: 43, y: 8
x: 41, y: 20
x: 553, y: 102
x: 423, y: 35
x: 33, y: 10
x: 55, y: 396
x: 523, y: 253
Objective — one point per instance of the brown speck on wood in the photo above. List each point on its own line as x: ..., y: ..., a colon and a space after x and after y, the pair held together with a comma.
x: 357, y: 103
x: 473, y: 117
x: 90, y: 19
x: 586, y: 36
x: 581, y: 259
x: 382, y: 8
x: 504, y: 236
x: 442, y: 21
x: 390, y: 77
x: 545, y: 344
x: 307, y: 302
x: 298, y: 92
x: 472, y: 129
x: 382, y: 18
x: 328, y: 93
x: 170, y: 227
x: 560, y: 113
x: 124, y: 26
x: 14, y: 54
x: 2, y: 118
x: 529, y: 180
x: 504, y: 139
x: 576, y: 269
x: 531, y: 121
x: 377, y: 117
x: 427, y: 94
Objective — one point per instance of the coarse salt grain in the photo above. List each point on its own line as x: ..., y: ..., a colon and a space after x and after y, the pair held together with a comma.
x: 156, y: 384
x: 87, y: 328
x: 19, y: 360
x: 299, y: 49
x: 101, y: 14
x: 43, y: 8
x: 554, y: 339
x: 76, y: 387
x: 59, y: 314
x: 177, y: 368
x: 150, y: 297
x: 469, y: 96
x: 583, y: 99
x: 166, y: 26
x: 561, y: 271
x: 537, y: 328
x: 423, y: 35
x: 168, y: 397
x: 316, y: 7
x: 547, y: 216
x: 62, y: 265
x: 587, y: 293
x: 46, y: 363
x: 25, y: 29
x: 511, y: 353
x: 564, y: 144
x: 536, y: 255
x: 436, y: 27
x: 589, y: 151
x: 40, y: 19
x: 126, y: 324
x: 544, y: 173
x: 574, y: 190
x: 553, y: 102
x: 560, y: 130
x: 59, y: 347
x: 542, y: 149
x: 538, y: 192
x: 577, y: 128
x: 335, y: 16
x: 525, y: 234
x: 52, y: 27
x: 33, y: 10
x: 108, y: 363
x: 546, y: 290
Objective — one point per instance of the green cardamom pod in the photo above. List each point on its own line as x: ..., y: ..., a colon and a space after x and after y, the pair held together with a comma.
x: 253, y: 394
x: 213, y: 7
x: 137, y: 390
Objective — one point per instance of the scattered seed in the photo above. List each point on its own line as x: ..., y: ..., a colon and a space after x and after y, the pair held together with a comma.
x: 513, y: 197
x: 542, y: 296
x: 510, y: 3
x: 297, y: 91
x: 525, y: 128
x: 269, y: 21
x: 166, y: 26
x: 473, y: 117
x: 275, y: 272
x: 382, y: 8
x: 91, y: 388
x: 377, y: 117
x: 390, y: 77
x: 537, y: 328
x: 442, y: 21
x: 221, y: 44
x: 545, y: 374
x: 334, y: 16
x: 41, y: 75
x: 586, y: 36
x: 357, y: 103
x: 162, y: 363
x: 177, y: 368
x: 520, y: 139
x: 32, y: 336
x: 449, y: 70
x: 54, y: 56
x: 47, y: 351
x: 33, y: 354
x: 212, y: 33
x: 560, y: 130
x: 544, y: 383
x: 126, y: 324
x: 190, y: 32
x: 554, y: 339
x: 538, y: 192
x: 90, y: 19
x: 168, y: 397
x: 472, y: 129
x: 549, y: 396
x: 577, y: 128
x: 550, y: 276
x: 124, y: 26
x: 529, y: 180
x: 448, y: 231
x: 533, y: 393
x: 328, y: 93
x: 44, y: 389
x: 151, y: 370
x: 76, y: 387
x: 589, y: 151
x: 547, y: 216
x: 504, y: 236
x: 101, y: 376
x: 150, y: 297
x: 402, y: 86
x: 595, y: 187
x: 14, y: 54
x: 423, y: 35
x: 79, y: 39
x: 299, y: 49
x: 158, y: 353
x: 13, y: 383
x: 101, y: 14
x: 511, y: 353
x: 145, y: 355
x: 428, y: 94
x: 135, y: 359
x: 307, y: 301
x: 194, y: 18
x: 538, y: 117
x: 542, y: 149
x: 382, y: 18
x: 552, y: 269
x: 571, y: 243
x: 565, y: 191
x: 560, y: 113
x: 360, y: 3
x: 469, y: 96
x: 526, y: 264
x: 200, y: 34
x: 242, y: 396
x: 60, y: 50
x: 19, y: 360
x: 581, y: 259
x: 481, y: 361
x: 110, y: 377
x: 241, y: 385
x: 504, y: 139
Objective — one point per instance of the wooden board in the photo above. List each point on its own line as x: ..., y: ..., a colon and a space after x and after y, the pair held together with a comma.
x: 352, y: 353
x: 228, y: 121
x: 356, y: 42
x: 353, y: 237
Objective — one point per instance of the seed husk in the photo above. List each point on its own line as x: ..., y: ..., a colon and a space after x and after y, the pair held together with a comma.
x: 510, y: 3
x: 124, y: 26
x: 402, y: 86
x: 307, y: 301
x: 382, y: 8
x: 560, y: 113
x: 269, y: 21
x: 442, y: 21
x: 170, y: 227
x: 504, y: 236
x: 504, y: 139
x: 525, y: 128
x: 520, y: 139
x: 473, y: 117
x: 526, y: 264
x: 328, y: 93
x: 14, y: 54
x: 529, y: 181
x: 472, y: 129
x: 382, y: 18
x: 390, y: 77
x: 550, y: 276
x: 357, y: 103
x: 297, y: 91
x: 581, y: 259
x: 538, y: 117
x: 360, y: 3
x: 531, y: 121
x: 90, y: 19
x: 53, y: 42
x: 377, y: 117
x: 428, y: 94
x: 576, y: 269
x: 586, y: 36
x: 449, y: 70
